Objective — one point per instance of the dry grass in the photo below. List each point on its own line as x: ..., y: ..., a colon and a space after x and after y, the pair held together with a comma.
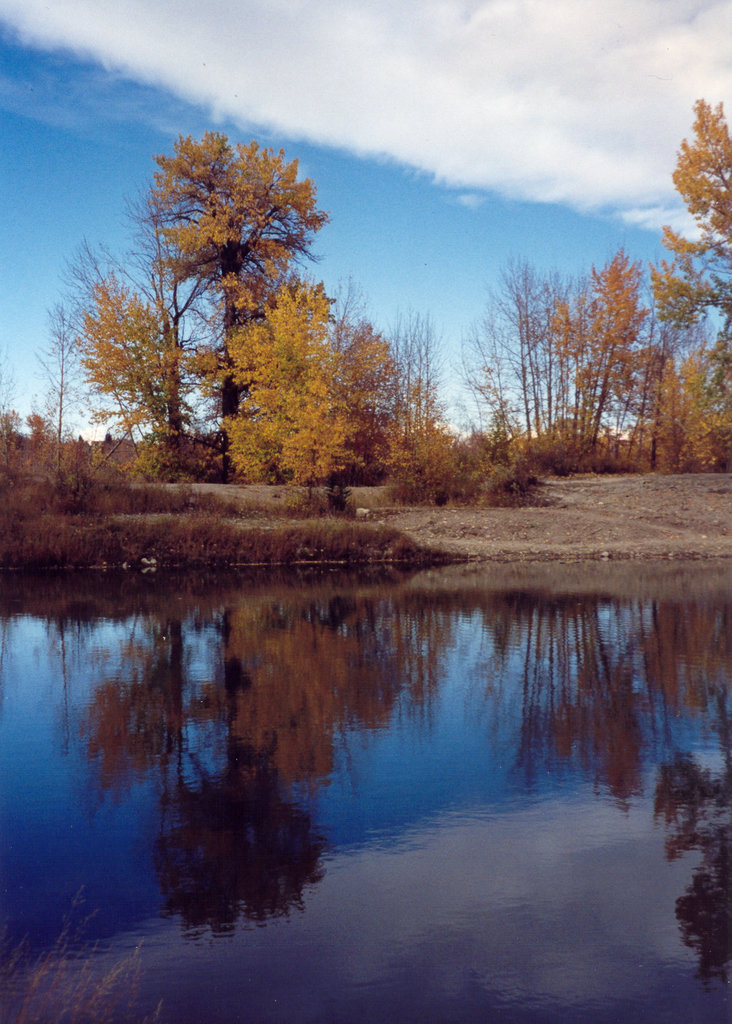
x: 138, y: 526
x: 69, y: 984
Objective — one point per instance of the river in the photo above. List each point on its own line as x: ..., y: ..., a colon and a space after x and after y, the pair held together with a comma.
x: 453, y: 796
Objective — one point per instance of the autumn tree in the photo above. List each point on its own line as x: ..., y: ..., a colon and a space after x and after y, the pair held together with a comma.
x: 420, y: 445
x: 663, y: 351
x: 605, y: 375
x: 133, y: 319
x: 291, y: 425
x: 10, y: 423
x: 365, y: 385
x: 133, y: 365
x: 691, y: 423
x: 236, y: 219
x: 510, y: 359
x: 554, y: 360
x: 698, y: 279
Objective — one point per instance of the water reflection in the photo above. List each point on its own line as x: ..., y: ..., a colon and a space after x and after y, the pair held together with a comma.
x: 603, y: 683
x: 235, y: 740
x: 694, y: 803
x: 243, y: 708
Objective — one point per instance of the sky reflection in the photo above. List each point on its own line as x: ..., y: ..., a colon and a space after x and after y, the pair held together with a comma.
x: 352, y: 801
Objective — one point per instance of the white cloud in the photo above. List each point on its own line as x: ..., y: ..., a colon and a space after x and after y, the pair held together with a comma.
x: 578, y: 103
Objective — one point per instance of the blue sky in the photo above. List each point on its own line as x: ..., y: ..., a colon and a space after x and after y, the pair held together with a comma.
x: 445, y: 137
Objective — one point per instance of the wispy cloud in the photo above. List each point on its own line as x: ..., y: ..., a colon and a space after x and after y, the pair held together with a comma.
x: 577, y: 103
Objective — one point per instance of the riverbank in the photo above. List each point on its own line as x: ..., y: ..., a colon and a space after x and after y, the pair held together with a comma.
x: 591, y: 517
x: 173, y: 541
x: 634, y: 516
x: 578, y: 518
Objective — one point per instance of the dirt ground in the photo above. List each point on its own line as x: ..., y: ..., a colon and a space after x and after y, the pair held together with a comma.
x: 608, y: 517
x: 588, y: 517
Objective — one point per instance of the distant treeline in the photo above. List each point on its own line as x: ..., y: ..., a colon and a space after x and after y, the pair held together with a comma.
x: 211, y: 355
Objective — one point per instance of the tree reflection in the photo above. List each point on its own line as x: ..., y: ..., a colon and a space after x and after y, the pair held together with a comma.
x: 603, y: 683
x: 240, y: 711
x: 230, y: 844
x: 609, y: 685
x: 695, y: 803
x: 136, y: 718
x: 239, y: 715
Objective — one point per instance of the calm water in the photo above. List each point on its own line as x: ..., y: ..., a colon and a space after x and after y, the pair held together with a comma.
x: 453, y: 797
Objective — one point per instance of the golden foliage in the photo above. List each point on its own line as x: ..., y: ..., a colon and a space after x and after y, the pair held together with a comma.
x: 235, y: 219
x: 291, y: 425
x: 365, y: 385
x: 134, y: 371
x: 698, y: 276
x: 692, y: 428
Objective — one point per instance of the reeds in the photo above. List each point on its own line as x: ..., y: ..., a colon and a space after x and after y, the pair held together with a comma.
x: 70, y: 983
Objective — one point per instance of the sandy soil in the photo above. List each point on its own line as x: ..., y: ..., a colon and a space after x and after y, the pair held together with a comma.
x: 607, y: 517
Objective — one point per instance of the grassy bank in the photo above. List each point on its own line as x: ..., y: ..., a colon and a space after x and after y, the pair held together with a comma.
x: 46, y: 542
x: 150, y: 527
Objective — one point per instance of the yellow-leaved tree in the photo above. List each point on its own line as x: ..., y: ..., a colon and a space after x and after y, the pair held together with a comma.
x: 291, y: 426
x: 134, y: 370
x: 690, y: 424
x: 234, y: 220
x: 698, y: 279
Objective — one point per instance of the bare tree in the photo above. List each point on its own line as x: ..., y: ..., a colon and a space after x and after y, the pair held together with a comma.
x: 60, y: 365
x: 511, y: 363
x: 9, y: 418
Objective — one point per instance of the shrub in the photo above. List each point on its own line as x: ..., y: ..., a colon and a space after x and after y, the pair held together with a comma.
x: 440, y: 470
x: 512, y: 485
x: 305, y: 504
x: 338, y: 496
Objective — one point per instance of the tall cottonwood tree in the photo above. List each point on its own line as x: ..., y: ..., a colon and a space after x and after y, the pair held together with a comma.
x: 236, y: 219
x: 216, y: 237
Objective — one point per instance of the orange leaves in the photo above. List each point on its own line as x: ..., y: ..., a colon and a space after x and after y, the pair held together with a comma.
x: 703, y: 175
x: 700, y: 277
